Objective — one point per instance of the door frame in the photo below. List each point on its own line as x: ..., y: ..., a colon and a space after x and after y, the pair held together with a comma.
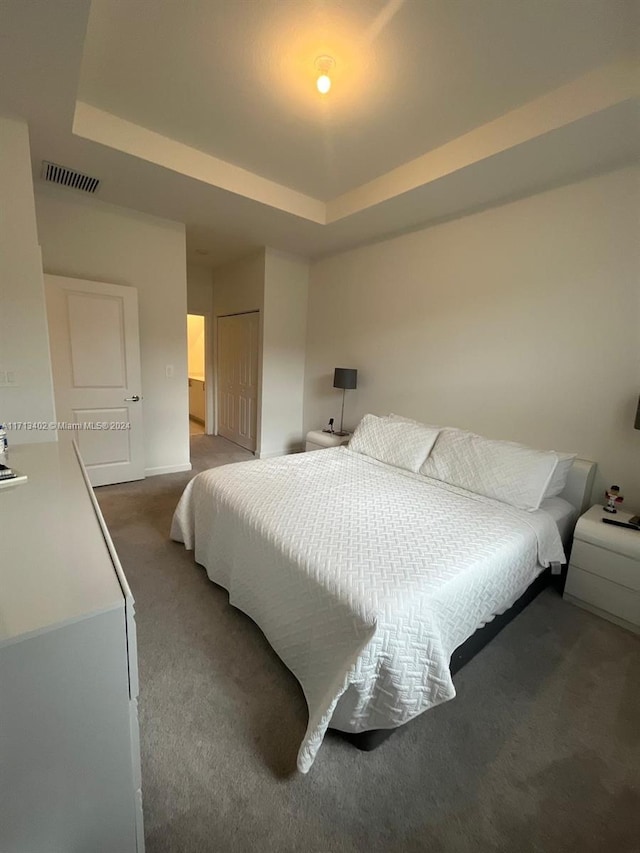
x: 216, y: 361
x: 209, y: 377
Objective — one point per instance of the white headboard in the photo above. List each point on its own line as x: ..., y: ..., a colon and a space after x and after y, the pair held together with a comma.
x: 579, y: 484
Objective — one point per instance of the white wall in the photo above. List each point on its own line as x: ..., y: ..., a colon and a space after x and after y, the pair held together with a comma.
x: 276, y: 285
x: 24, y: 339
x: 520, y: 322
x: 239, y: 286
x: 199, y: 290
x: 237, y: 289
x: 283, y: 357
x: 85, y: 238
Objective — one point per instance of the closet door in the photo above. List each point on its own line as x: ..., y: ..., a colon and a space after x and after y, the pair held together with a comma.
x: 237, y: 370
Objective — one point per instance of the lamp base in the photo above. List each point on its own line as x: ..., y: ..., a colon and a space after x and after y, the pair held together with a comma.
x: 341, y: 433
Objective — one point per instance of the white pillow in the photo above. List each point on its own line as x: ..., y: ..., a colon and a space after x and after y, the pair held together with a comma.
x: 399, y: 443
x: 559, y: 479
x: 503, y: 470
x: 402, y: 419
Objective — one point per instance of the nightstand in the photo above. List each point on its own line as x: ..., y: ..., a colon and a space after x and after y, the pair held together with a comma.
x: 604, y: 571
x: 318, y: 440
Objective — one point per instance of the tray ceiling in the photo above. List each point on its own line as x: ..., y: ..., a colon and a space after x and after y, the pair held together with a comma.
x: 206, y: 112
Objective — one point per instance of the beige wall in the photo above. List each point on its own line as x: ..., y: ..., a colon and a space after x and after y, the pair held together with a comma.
x: 24, y: 339
x: 195, y: 345
x: 284, y: 338
x: 200, y: 301
x: 85, y: 238
x: 520, y: 322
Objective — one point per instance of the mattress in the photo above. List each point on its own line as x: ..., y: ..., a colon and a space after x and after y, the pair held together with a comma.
x: 363, y: 577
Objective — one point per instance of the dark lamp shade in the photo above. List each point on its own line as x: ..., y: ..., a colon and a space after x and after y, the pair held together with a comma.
x: 346, y: 378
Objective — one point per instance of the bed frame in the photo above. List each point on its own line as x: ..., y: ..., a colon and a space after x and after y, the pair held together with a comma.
x: 578, y: 493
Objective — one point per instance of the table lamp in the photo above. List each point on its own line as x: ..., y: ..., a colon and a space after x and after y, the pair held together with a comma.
x: 347, y: 379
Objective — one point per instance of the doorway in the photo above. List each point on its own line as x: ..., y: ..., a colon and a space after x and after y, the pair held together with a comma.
x: 237, y: 378
x: 200, y: 402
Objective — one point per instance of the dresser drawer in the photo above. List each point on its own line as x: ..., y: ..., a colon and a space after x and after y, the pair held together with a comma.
x: 603, y: 594
x: 607, y: 564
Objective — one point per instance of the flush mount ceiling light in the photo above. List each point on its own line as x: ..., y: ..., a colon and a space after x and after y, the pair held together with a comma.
x: 324, y: 64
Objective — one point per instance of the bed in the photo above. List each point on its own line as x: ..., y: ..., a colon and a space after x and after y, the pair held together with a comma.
x: 367, y: 577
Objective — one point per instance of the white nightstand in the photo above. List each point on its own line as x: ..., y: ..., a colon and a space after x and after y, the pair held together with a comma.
x: 604, y: 571
x: 318, y: 440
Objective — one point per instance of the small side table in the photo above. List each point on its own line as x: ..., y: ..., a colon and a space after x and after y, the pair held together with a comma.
x: 604, y: 570
x: 319, y: 440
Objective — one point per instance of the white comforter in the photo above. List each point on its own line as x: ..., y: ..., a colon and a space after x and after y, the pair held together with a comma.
x: 363, y: 577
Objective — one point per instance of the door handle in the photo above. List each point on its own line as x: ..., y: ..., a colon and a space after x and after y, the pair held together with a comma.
x: 134, y: 399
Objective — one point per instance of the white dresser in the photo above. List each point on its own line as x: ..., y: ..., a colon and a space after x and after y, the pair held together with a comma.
x: 69, y: 743
x: 604, y: 570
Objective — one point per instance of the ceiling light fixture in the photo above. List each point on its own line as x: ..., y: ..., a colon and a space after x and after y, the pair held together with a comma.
x: 324, y: 65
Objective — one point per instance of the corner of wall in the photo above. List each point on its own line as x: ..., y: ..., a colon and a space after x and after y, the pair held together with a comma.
x: 24, y: 342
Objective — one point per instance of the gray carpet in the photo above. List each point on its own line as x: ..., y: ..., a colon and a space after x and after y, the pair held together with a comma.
x: 540, y: 751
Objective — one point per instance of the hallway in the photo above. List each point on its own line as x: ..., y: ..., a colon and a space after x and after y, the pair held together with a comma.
x: 209, y: 451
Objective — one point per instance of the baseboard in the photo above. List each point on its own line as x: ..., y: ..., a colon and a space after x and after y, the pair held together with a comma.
x: 167, y: 469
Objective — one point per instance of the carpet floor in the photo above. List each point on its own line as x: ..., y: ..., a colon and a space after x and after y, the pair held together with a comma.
x: 540, y: 751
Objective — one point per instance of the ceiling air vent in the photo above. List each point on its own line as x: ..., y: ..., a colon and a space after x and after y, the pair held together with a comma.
x: 69, y: 177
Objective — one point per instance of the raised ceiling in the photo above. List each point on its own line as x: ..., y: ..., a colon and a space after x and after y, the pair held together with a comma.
x: 206, y: 112
x: 236, y: 79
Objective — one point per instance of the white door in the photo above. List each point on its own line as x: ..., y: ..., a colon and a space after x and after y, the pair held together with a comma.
x: 95, y: 358
x: 238, y: 378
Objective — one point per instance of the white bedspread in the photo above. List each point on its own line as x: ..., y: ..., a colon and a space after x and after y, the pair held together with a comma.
x: 363, y: 577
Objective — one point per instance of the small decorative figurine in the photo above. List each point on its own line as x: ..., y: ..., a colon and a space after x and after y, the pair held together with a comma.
x: 613, y: 497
